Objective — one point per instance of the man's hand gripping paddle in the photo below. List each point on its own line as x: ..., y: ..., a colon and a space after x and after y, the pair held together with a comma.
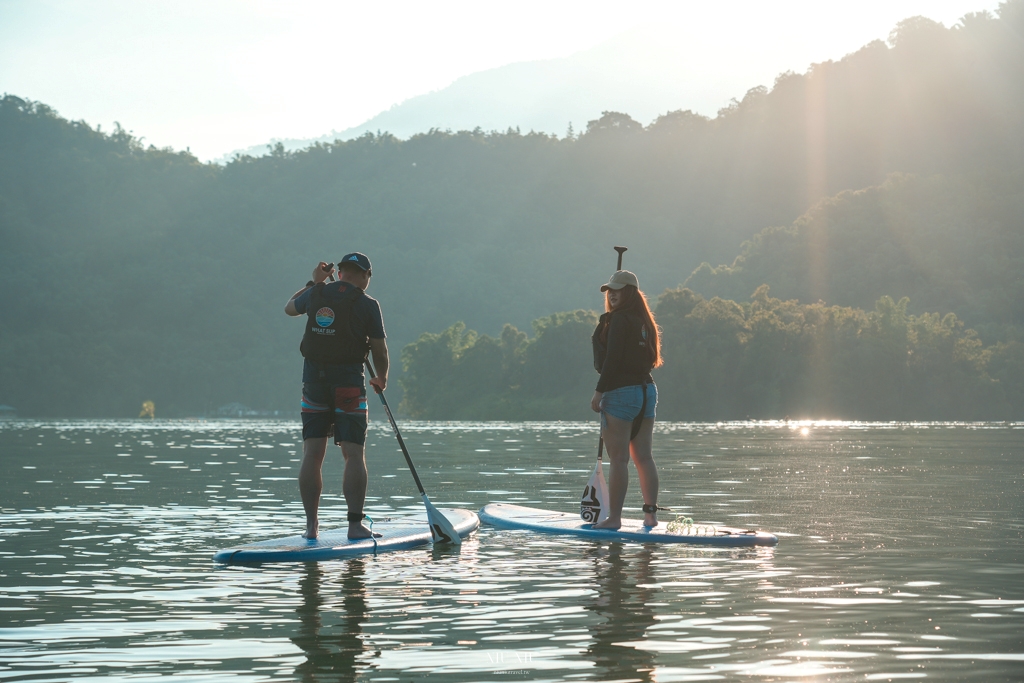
x: 594, y: 503
x: 441, y: 530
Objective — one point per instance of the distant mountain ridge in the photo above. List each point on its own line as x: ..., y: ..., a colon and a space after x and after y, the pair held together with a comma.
x: 637, y: 72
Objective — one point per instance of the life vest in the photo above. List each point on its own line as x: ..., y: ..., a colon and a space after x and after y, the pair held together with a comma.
x: 638, y: 352
x: 329, y: 338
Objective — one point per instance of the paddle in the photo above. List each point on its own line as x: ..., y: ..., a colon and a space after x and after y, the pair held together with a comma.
x: 441, y: 530
x: 594, y: 502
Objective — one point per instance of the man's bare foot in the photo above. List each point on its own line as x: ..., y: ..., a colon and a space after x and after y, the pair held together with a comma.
x: 608, y: 524
x: 312, y: 530
x: 357, y: 531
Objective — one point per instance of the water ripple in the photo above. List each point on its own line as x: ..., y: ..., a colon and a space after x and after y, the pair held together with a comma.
x: 900, y: 557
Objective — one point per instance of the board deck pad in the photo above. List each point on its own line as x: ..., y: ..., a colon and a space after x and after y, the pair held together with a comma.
x: 506, y: 516
x: 396, y: 534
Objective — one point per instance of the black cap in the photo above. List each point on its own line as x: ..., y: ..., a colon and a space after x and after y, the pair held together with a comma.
x: 356, y: 259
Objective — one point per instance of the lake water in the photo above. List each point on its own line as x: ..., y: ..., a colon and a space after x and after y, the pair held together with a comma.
x: 900, y: 557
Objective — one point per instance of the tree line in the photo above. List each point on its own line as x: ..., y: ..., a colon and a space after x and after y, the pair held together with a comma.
x: 764, y: 358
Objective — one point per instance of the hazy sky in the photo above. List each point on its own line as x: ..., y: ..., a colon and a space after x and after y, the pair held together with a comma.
x: 218, y: 75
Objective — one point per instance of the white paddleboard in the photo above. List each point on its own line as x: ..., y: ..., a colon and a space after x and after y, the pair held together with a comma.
x: 505, y: 516
x: 396, y: 534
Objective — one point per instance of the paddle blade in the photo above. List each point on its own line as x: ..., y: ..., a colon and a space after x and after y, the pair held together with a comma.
x: 441, y: 530
x: 594, y: 503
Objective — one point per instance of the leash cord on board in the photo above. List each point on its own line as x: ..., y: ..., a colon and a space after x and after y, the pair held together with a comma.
x: 681, y: 525
x: 684, y: 526
x: 372, y: 536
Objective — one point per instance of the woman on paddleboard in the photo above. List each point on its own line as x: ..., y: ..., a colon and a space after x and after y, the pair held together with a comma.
x: 626, y: 349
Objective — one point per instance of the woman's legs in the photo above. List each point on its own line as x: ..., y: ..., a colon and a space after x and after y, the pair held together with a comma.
x: 616, y: 443
x: 640, y: 451
x: 620, y: 449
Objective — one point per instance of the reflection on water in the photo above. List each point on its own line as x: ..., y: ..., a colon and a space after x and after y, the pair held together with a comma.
x: 623, y: 606
x: 900, y: 557
x: 331, y: 617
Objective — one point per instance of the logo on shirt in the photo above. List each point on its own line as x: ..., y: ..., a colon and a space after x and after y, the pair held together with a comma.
x: 325, y: 317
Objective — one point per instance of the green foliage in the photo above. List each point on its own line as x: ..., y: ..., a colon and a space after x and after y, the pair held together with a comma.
x: 458, y: 374
x: 945, y: 243
x: 762, y: 359
x: 133, y: 273
x: 771, y: 358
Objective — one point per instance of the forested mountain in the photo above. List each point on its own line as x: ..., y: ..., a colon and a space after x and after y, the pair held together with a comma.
x: 946, y: 243
x: 135, y: 273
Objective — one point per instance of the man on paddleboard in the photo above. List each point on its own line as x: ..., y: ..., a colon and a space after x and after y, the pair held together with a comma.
x: 342, y: 325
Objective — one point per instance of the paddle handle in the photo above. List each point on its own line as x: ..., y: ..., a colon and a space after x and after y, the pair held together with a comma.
x: 620, y: 250
x: 394, y: 426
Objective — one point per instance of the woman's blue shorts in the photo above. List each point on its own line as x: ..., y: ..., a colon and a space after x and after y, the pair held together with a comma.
x: 625, y: 402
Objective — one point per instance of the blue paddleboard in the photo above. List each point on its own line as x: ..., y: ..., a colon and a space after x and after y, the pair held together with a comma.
x: 396, y: 534
x: 505, y: 516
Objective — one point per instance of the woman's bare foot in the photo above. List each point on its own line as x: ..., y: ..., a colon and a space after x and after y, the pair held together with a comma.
x: 357, y: 531
x: 650, y: 519
x: 609, y: 523
x: 312, y: 530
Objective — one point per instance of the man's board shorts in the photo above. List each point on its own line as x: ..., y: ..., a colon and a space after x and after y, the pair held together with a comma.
x: 326, y: 405
x: 625, y: 402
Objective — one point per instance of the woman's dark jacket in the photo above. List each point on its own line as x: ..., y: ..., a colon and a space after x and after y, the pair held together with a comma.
x: 624, y: 359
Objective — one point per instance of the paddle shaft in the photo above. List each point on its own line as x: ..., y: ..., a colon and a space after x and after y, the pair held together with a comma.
x: 394, y: 426
x: 618, y: 266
